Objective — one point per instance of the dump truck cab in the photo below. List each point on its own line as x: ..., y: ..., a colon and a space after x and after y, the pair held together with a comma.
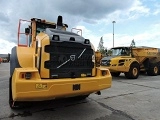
x: 54, y: 63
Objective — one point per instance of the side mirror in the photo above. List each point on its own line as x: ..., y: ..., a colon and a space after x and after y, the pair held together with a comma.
x: 27, y: 31
x: 66, y: 25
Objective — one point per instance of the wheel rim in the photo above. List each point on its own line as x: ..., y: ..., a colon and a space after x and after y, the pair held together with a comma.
x: 135, y: 71
x: 155, y: 70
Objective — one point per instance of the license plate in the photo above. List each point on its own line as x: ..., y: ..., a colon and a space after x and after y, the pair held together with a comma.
x: 76, y: 87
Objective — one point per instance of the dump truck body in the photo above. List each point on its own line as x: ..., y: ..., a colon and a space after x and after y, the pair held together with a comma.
x: 143, y: 53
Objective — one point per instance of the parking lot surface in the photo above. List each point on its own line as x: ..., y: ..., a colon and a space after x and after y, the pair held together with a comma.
x: 126, y: 100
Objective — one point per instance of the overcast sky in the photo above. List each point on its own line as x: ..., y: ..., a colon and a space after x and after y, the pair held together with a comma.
x: 135, y: 19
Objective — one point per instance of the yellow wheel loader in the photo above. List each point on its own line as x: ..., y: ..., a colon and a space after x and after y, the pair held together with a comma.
x: 132, y: 60
x: 54, y: 63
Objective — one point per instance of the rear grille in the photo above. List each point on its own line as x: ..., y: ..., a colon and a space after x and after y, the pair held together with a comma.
x: 69, y: 59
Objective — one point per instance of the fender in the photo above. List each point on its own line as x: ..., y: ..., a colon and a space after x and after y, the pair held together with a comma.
x: 26, y: 56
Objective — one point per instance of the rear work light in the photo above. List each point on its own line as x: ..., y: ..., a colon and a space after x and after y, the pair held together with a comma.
x: 87, y: 41
x: 104, y: 73
x: 28, y: 75
x: 55, y: 37
x: 72, y: 39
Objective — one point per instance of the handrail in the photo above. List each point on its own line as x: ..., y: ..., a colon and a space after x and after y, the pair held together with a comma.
x: 19, y: 26
x: 78, y: 30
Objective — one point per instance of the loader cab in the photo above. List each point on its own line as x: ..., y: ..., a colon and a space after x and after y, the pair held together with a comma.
x: 35, y: 27
x: 39, y: 25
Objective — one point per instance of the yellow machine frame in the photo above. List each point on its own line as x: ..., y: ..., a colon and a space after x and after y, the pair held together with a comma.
x: 26, y: 83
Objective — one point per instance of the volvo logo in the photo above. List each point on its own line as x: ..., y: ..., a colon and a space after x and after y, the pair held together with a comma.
x: 62, y: 58
x: 72, y: 57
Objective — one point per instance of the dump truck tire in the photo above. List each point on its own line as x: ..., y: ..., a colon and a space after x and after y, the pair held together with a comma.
x: 133, y: 71
x: 158, y: 68
x: 153, y: 69
x: 115, y: 74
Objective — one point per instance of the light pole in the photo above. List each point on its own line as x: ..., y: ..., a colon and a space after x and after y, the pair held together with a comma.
x: 113, y: 31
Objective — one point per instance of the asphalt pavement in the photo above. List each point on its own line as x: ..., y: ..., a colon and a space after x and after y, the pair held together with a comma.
x: 126, y: 100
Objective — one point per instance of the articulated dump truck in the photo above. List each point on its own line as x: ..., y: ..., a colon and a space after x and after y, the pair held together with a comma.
x: 133, y: 60
x: 54, y: 63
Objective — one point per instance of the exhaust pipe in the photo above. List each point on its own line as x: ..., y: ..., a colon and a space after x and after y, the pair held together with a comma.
x: 60, y: 21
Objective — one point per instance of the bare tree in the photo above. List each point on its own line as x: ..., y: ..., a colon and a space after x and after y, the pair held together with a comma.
x: 133, y: 44
x: 101, y: 47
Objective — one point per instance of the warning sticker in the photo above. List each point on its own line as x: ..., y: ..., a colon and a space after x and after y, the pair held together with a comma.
x: 41, y: 86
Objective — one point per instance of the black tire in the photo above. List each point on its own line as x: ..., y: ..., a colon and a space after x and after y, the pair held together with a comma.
x: 142, y: 72
x: 11, y: 102
x: 115, y: 74
x: 133, y: 71
x: 83, y: 97
x: 159, y: 70
x: 14, y: 63
x: 10, y: 93
x: 153, y: 69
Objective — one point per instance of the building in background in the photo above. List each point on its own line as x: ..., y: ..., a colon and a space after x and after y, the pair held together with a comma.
x: 4, y: 57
